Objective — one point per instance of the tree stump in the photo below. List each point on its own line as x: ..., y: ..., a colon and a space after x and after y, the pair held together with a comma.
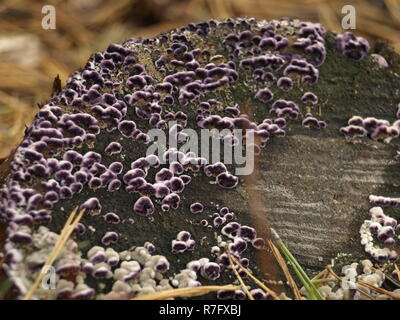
x: 311, y: 185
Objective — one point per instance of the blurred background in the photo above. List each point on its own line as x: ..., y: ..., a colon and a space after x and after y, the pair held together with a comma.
x: 31, y: 57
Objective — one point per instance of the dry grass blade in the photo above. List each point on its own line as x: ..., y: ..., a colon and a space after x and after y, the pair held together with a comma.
x: 320, y: 275
x: 62, y: 239
x: 285, y: 269
x: 394, y: 9
x: 239, y: 277
x: 184, y: 292
x: 262, y: 285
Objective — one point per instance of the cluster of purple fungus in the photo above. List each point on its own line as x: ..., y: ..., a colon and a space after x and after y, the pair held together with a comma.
x: 351, y: 46
x: 183, y: 242
x: 311, y: 121
x: 87, y: 147
x: 378, y: 235
x: 375, y: 129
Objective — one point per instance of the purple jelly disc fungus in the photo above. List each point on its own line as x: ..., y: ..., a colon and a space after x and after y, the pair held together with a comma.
x: 264, y: 95
x: 196, y: 207
x: 285, y: 83
x: 113, y: 148
x: 226, y: 180
x: 92, y: 206
x: 211, y: 270
x: 144, y: 206
x: 110, y: 237
x: 111, y: 217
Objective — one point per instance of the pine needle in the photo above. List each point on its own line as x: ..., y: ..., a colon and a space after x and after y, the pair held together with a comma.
x: 262, y: 285
x: 239, y: 277
x: 312, y: 291
x: 397, y: 271
x: 184, y: 292
x: 378, y: 290
x: 285, y: 269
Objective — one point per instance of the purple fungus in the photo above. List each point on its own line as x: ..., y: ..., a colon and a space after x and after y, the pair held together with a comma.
x: 175, y: 184
x: 204, y: 223
x: 186, y: 179
x: 146, y: 189
x: 385, y: 232
x: 238, y: 246
x: 113, y: 148
x: 214, y: 170
x: 172, y: 201
x: 111, y: 217
x: 90, y: 158
x: 353, y: 131
x: 95, y: 183
x: 258, y: 294
x: 196, y: 207
x: 218, y: 221
x: 227, y: 180
x: 151, y: 248
x: 153, y: 160
x: 135, y: 183
x: 132, y: 174
x: 176, y: 167
x: 141, y: 163
x: 144, y: 206
x: 225, y: 294
x: 381, y: 61
x: 21, y: 237
x: 80, y: 229
x: 264, y: 95
x: 91, y: 206
x: 309, y: 97
x: 76, y: 187
x: 313, y: 122
x: 258, y: 243
x: 110, y: 237
x: 231, y: 229
x: 127, y: 128
x: 178, y: 246
x: 285, y: 83
x: 164, y: 175
x: 211, y: 271
x: 66, y: 193
x: 162, y: 265
x: 116, y: 167
x: 280, y: 122
x: 143, y: 138
x: 351, y: 46
x: 160, y: 190
x: 183, y: 236
x: 73, y: 157
x: 247, y: 233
